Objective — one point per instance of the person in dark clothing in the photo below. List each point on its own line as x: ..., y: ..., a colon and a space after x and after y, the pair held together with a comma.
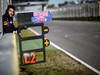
x: 8, y: 26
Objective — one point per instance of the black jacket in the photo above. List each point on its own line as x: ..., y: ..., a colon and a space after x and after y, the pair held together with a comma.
x: 8, y: 26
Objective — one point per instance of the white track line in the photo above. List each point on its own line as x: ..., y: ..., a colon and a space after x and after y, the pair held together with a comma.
x: 58, y: 47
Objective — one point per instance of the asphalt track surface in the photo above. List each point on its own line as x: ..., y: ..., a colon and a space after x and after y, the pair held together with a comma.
x: 81, y: 39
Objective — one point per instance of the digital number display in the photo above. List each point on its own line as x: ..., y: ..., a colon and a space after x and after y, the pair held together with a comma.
x: 29, y: 58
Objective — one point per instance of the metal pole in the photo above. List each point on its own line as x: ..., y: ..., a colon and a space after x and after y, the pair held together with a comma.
x: 99, y: 8
x: 1, y: 19
x: 43, y: 7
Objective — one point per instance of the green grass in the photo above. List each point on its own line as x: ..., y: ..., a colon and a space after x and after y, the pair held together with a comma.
x: 57, y: 62
x: 32, y: 44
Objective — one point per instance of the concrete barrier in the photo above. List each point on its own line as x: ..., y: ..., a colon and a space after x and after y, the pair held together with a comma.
x: 8, y: 56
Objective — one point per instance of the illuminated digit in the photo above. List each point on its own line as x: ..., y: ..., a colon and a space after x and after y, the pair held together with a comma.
x: 33, y: 60
x: 26, y: 61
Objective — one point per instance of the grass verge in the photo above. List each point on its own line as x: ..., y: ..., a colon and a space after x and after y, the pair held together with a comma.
x: 57, y: 63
